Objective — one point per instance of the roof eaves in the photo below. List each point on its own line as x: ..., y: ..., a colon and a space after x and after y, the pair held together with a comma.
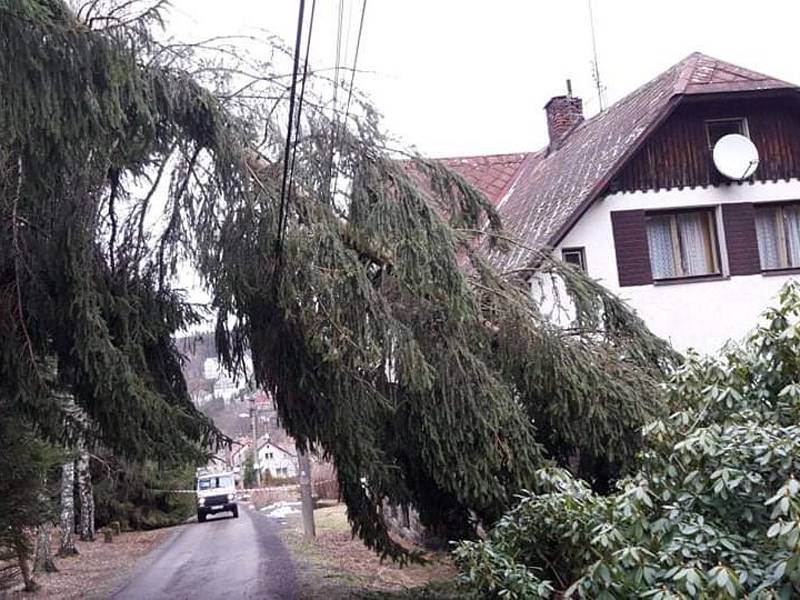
x: 282, y: 449
x: 736, y: 86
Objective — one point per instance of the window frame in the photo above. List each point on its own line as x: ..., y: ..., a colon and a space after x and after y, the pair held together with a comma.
x: 744, y: 127
x: 581, y: 251
x: 713, y: 228
x: 783, y: 249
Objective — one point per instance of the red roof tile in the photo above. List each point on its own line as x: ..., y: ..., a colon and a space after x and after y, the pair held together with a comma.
x: 491, y: 174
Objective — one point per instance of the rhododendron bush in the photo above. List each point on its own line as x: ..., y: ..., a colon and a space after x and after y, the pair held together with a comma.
x: 713, y: 510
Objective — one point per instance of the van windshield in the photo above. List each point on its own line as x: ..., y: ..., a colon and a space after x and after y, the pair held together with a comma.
x: 210, y: 483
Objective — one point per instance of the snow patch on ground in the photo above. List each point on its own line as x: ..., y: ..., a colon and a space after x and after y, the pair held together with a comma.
x: 280, y: 510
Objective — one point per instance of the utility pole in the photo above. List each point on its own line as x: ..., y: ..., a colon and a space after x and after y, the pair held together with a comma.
x: 254, y: 426
x: 306, y: 492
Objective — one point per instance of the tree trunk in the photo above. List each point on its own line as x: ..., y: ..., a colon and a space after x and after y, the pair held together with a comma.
x: 86, y: 498
x: 43, y: 561
x: 67, y: 521
x: 306, y: 493
x: 23, y: 554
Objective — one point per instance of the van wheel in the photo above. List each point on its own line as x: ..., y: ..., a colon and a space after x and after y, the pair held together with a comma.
x: 235, y: 512
x: 201, y: 517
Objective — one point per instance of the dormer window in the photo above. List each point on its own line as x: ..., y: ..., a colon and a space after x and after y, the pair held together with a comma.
x: 718, y: 128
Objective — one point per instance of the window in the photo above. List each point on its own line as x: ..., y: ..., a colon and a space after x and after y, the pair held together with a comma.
x: 721, y: 127
x: 209, y: 483
x: 574, y: 256
x: 683, y: 244
x: 778, y: 233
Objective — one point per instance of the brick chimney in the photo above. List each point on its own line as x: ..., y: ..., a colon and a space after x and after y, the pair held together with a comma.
x: 563, y: 113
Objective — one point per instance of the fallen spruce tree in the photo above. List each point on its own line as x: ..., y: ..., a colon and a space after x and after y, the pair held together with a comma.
x: 388, y: 342
x: 712, y: 512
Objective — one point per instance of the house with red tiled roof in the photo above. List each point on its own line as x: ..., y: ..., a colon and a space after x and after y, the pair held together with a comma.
x: 636, y: 197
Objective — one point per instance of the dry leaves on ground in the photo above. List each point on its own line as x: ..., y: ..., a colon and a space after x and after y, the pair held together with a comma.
x: 99, y: 568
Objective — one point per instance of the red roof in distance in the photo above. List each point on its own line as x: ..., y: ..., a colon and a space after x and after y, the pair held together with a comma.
x: 491, y: 174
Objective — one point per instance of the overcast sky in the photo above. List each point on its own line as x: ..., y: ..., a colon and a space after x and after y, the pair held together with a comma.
x: 471, y: 77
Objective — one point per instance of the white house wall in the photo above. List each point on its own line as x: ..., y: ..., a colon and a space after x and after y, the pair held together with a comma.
x: 279, y: 460
x: 701, y: 314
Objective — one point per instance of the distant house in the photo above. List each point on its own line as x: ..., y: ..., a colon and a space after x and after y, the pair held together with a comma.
x: 633, y: 197
x: 277, y: 461
x: 239, y: 454
x: 225, y: 387
x: 201, y: 397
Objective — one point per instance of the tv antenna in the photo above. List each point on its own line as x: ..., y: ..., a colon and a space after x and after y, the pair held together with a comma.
x: 595, y: 67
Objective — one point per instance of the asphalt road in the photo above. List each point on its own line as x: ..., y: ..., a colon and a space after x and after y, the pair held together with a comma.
x: 221, y: 558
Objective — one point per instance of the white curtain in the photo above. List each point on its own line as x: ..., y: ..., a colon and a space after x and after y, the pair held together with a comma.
x: 696, y: 257
x: 791, y: 219
x: 767, y: 234
x: 659, y: 241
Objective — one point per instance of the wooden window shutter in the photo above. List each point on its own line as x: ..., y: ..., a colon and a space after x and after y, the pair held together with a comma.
x: 740, y: 238
x: 630, y: 244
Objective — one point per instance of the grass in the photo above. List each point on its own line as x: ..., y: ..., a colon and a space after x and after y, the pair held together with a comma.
x: 335, y: 566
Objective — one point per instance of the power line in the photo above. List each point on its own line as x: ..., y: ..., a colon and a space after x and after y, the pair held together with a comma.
x: 300, y: 102
x: 336, y: 75
x: 338, y: 63
x: 287, y: 149
x: 347, y: 35
x: 339, y: 30
x: 343, y: 125
x: 355, y: 62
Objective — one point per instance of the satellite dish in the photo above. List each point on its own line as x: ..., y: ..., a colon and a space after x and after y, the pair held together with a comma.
x: 735, y: 156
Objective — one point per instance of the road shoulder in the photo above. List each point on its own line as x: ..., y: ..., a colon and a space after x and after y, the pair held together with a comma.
x: 335, y: 566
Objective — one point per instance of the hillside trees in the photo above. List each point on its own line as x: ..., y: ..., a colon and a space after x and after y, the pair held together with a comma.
x: 387, y: 341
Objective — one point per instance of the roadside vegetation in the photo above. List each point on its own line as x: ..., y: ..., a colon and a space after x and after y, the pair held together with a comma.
x: 333, y: 565
x: 132, y: 496
x: 713, y: 510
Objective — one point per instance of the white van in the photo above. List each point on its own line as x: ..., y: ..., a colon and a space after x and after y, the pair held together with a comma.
x: 216, y: 492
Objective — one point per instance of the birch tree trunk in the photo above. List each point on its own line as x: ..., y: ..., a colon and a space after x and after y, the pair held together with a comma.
x: 67, y: 521
x: 86, y: 497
